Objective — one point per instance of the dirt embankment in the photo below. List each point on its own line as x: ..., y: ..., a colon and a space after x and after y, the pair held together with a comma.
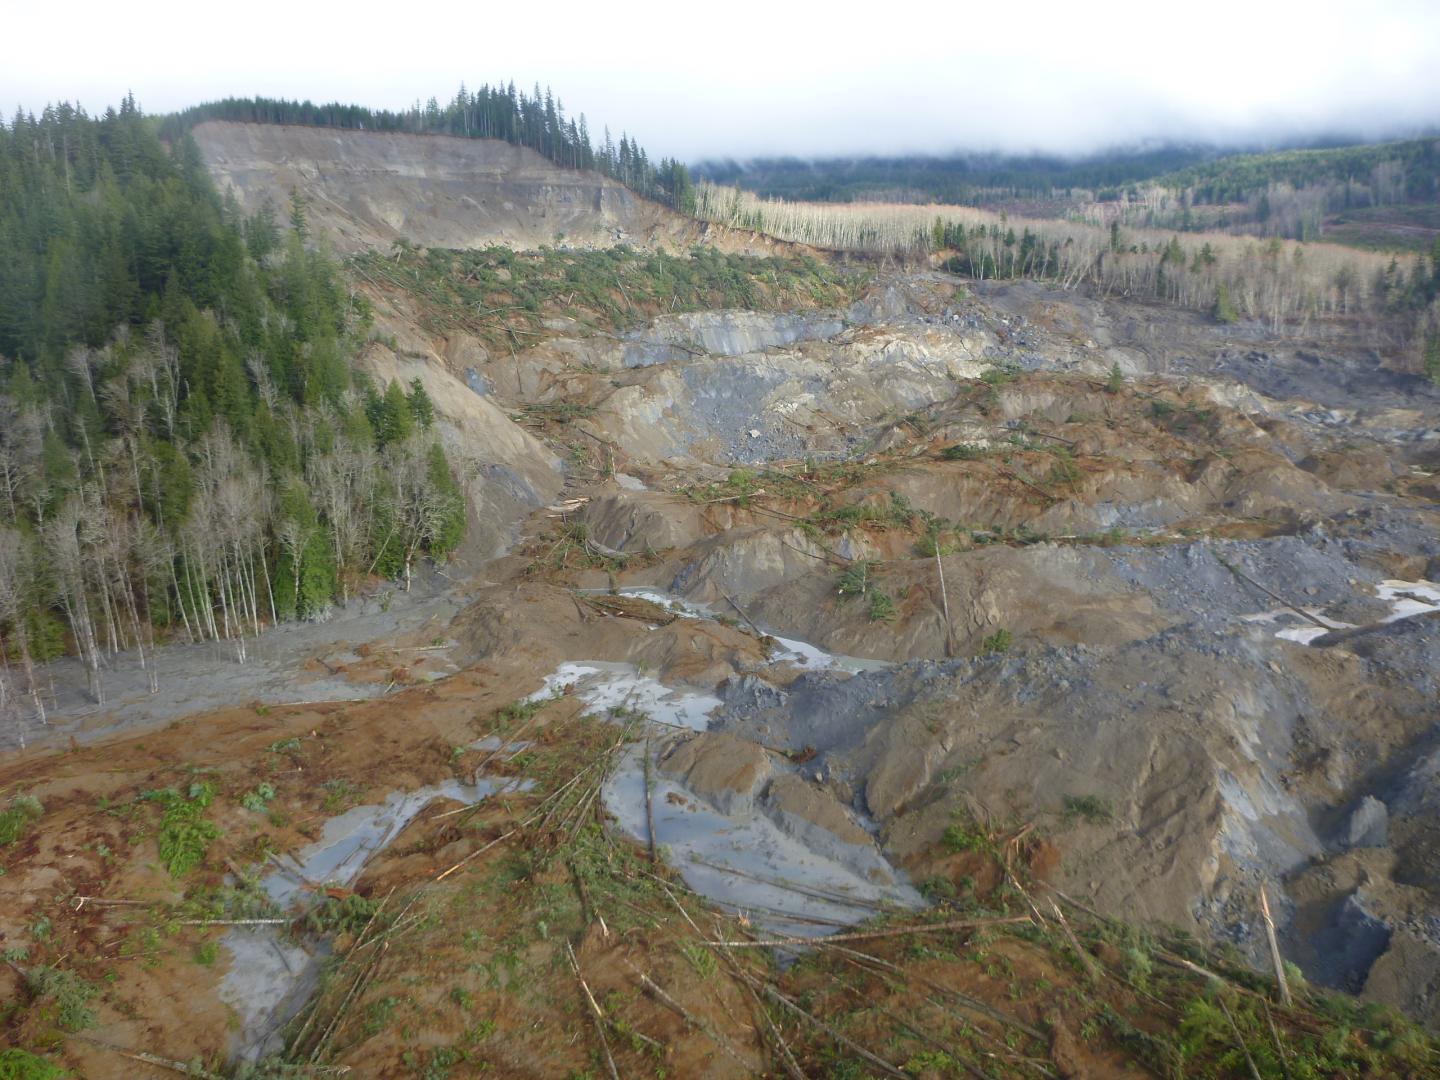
x: 367, y: 189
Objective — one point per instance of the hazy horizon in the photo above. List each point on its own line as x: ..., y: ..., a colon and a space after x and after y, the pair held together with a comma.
x: 768, y: 81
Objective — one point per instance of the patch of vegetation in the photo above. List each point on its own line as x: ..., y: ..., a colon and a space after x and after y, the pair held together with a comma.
x: 966, y: 452
x: 555, y: 412
x: 334, y: 915
x: 1089, y: 808
x: 882, y: 607
x: 569, y: 547
x: 185, y: 836
x: 17, y: 1064
x: 966, y: 835
x: 244, y: 900
x: 857, y: 578
x: 65, y: 996
x: 522, y: 710
x: 938, y: 889
x: 999, y: 376
x: 997, y: 642
x: 894, y: 513
x: 701, y: 959
x: 1064, y: 472
x: 339, y: 794
x: 256, y: 801
x: 206, y: 953
x: 17, y: 818
x: 504, y: 297
x: 738, y: 488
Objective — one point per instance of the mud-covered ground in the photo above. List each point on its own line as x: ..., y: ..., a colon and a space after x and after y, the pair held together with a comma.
x: 980, y: 598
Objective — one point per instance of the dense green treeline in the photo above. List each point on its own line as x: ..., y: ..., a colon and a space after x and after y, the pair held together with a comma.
x: 962, y: 179
x: 1410, y: 170
x: 534, y: 120
x: 185, y: 447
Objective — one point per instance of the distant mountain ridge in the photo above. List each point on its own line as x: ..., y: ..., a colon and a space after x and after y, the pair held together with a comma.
x: 959, y: 177
x: 1376, y: 195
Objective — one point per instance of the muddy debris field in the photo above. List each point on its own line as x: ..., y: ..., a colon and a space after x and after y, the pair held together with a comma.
x: 952, y: 682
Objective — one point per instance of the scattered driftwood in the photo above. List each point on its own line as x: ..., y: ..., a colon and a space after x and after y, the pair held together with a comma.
x: 597, y: 1017
x: 694, y: 1021
x: 169, y: 1064
x: 945, y: 601
x: 804, y: 890
x: 1084, y: 957
x: 782, y: 1048
x: 930, y: 1040
x: 844, y: 1040
x: 732, y: 498
x: 649, y: 805
x: 1273, y: 595
x: 629, y: 607
x: 81, y: 901
x: 1349, y: 633
x: 568, y: 506
x: 973, y: 1004
x: 600, y: 551
x: 898, y: 931
x: 234, y: 922
x: 741, y: 611
x: 1239, y: 1039
x: 1275, y: 959
x: 829, y: 556
x: 1047, y: 435
x: 1047, y: 496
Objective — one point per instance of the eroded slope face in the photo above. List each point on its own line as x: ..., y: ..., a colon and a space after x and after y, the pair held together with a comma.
x: 1116, y: 551
x: 1193, y: 572
x: 885, y: 586
x: 368, y: 189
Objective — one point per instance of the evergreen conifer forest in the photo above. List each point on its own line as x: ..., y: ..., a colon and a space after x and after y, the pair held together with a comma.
x: 186, y: 449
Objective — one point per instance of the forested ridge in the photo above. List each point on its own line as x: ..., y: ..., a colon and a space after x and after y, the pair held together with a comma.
x: 536, y: 120
x: 186, y: 449
x: 970, y: 179
x: 1382, y: 196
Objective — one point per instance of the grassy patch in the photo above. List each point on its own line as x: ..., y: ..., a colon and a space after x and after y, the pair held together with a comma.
x: 857, y: 578
x: 966, y: 835
x: 895, y: 513
x: 17, y: 1064
x: 1088, y: 808
x: 998, y: 642
x: 999, y: 376
x: 17, y: 818
x: 257, y: 800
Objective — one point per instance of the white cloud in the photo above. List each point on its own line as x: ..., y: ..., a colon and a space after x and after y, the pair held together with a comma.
x: 746, y: 77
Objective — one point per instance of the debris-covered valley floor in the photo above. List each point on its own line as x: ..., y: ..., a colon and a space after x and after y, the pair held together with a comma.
x: 919, y: 678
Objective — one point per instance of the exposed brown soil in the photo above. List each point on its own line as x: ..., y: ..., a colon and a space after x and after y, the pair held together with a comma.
x: 1083, y: 531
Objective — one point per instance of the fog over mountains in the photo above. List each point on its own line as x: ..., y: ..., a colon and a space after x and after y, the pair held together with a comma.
x: 765, y: 79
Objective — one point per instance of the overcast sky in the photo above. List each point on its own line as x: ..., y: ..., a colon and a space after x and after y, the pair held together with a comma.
x: 742, y: 77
